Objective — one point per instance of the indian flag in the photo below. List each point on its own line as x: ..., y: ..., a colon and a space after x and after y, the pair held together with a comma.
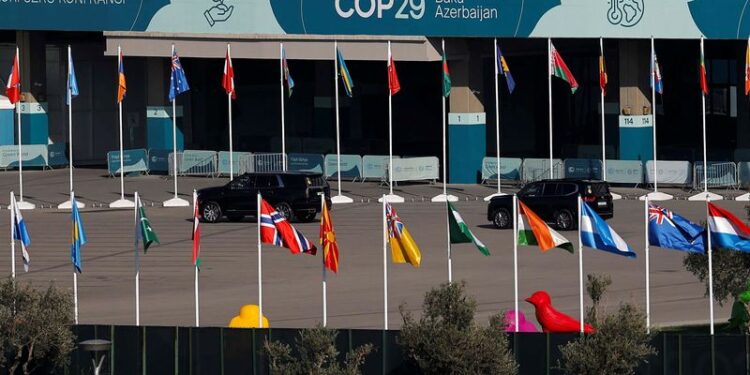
x: 533, y: 231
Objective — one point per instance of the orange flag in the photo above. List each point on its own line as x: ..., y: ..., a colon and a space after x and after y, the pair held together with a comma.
x: 328, y: 241
x: 393, y: 84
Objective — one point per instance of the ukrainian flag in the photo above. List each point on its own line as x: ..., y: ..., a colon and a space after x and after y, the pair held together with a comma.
x: 78, y: 237
x: 346, y: 78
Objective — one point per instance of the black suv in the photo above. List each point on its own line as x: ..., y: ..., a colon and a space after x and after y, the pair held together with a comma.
x: 554, y: 201
x: 294, y: 195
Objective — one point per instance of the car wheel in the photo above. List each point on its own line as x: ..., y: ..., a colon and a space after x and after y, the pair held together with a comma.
x: 211, y: 212
x: 285, y: 210
x: 501, y: 218
x: 235, y: 218
x: 306, y: 217
x: 564, y: 220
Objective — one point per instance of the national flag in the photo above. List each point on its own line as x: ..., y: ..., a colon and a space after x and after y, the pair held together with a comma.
x: 394, y: 85
x: 287, y: 75
x: 726, y: 230
x: 143, y: 230
x: 460, y: 232
x: 122, y: 87
x: 597, y: 234
x: 747, y: 68
x: 77, y: 236
x: 328, y: 241
x: 177, y: 80
x: 533, y: 231
x: 196, y: 232
x: 276, y: 230
x: 403, y: 247
x: 227, y: 80
x: 13, y: 88
x: 656, y: 78
x: 20, y: 232
x: 72, y: 82
x: 559, y: 69
x: 671, y: 231
x: 704, y: 78
x: 502, y: 68
x: 446, y: 78
x: 603, y: 79
x: 346, y: 78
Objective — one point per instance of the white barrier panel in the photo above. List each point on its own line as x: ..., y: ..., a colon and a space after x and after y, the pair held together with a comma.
x: 351, y: 166
x: 625, y: 171
x: 538, y: 169
x: 415, y: 169
x: 720, y: 174
x: 375, y: 166
x: 510, y: 168
x: 32, y: 155
x: 673, y: 172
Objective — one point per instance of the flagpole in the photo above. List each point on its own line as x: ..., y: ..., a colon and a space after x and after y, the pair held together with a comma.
x: 497, y: 127
x: 67, y: 205
x: 325, y: 291
x: 12, y: 236
x: 648, y: 267
x: 176, y: 201
x: 20, y: 203
x: 75, y: 274
x: 390, y: 130
x: 515, y: 259
x: 338, y: 198
x: 580, y: 265
x: 197, y: 300
x: 260, y: 270
x: 710, y: 272
x: 705, y: 193
x: 549, y: 101
x: 197, y: 296
x: 281, y: 87
x: 653, y: 111
x: 137, y: 265
x: 229, y: 109
x: 604, y: 136
x: 385, y: 266
x: 444, y: 197
x: 448, y: 234
x: 122, y: 203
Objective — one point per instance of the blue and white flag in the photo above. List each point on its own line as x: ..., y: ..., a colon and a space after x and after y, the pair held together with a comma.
x: 595, y: 233
x: 72, y: 91
x: 671, y: 231
x: 77, y: 236
x: 20, y: 232
x: 178, y: 81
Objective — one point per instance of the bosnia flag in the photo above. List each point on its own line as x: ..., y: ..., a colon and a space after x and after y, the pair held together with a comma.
x: 403, y: 247
x: 346, y: 78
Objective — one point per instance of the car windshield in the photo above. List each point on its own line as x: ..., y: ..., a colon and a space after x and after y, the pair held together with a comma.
x: 596, y: 189
x: 530, y: 189
x: 240, y: 183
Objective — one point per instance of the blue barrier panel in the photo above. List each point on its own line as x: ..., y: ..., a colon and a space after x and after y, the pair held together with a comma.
x: 305, y: 163
x: 56, y: 155
x: 375, y: 166
x: 236, y: 158
x: 351, y: 166
x: 32, y: 156
x: 198, y: 162
x: 625, y: 171
x: 132, y: 160
x: 583, y: 168
x: 510, y: 168
x: 158, y: 160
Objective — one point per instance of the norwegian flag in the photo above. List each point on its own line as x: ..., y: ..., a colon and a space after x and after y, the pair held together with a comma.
x: 227, y: 80
x: 276, y: 230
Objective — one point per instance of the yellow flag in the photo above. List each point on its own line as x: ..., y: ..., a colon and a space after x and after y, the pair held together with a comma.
x: 403, y: 247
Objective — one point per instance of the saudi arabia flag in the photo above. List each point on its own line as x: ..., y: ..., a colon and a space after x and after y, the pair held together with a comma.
x: 533, y: 231
x: 460, y: 232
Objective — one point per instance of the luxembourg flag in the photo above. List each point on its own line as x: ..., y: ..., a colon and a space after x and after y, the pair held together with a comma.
x: 727, y: 231
x: 597, y: 234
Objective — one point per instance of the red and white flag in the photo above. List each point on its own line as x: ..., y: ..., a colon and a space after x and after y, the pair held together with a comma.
x: 13, y: 89
x: 227, y: 80
x: 393, y: 84
x: 196, y: 231
x: 276, y: 230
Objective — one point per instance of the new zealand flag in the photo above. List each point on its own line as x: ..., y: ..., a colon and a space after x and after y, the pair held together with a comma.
x: 671, y: 231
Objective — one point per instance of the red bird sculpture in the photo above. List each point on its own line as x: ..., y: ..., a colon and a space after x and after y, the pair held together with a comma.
x: 552, y: 320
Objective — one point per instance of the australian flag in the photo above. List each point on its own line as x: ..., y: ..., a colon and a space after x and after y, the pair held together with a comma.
x: 276, y: 230
x: 178, y: 81
x: 671, y: 231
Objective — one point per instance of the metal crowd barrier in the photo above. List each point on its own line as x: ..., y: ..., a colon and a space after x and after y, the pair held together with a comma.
x: 262, y: 162
x: 719, y: 175
x: 194, y: 163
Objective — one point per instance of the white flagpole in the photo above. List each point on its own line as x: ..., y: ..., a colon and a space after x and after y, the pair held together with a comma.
x: 260, y: 271
x: 705, y: 193
x: 549, y: 100
x: 20, y: 203
x: 448, y: 235
x: 385, y: 266
x: 444, y: 197
x: 197, y: 298
x: 515, y: 258
x: 75, y: 274
x: 710, y: 273
x: 283, y: 114
x: 67, y: 205
x: 653, y: 111
x: 176, y: 201
x: 138, y: 267
x: 122, y: 202
x: 604, y: 135
x: 648, y: 268
x: 390, y: 130
x: 12, y: 235
x: 338, y: 198
x: 229, y: 108
x: 580, y: 264
x: 497, y: 123
x: 323, y: 263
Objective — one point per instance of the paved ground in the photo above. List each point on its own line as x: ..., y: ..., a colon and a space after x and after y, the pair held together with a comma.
x: 291, y: 284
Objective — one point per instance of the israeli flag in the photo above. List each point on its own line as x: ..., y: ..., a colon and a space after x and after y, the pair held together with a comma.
x: 596, y: 234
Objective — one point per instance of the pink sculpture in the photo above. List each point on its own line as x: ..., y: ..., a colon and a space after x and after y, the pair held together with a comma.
x: 523, y: 324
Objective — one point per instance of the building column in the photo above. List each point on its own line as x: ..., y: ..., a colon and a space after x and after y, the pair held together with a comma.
x: 635, y: 129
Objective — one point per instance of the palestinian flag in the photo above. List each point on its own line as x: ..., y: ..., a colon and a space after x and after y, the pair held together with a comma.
x: 460, y: 232
x: 533, y: 231
x: 559, y: 69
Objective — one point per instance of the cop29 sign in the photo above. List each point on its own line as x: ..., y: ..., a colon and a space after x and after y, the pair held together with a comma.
x: 727, y: 19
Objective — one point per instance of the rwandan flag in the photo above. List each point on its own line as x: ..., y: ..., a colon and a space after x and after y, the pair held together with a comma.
x: 446, y: 78
x: 77, y: 237
x: 121, y: 86
x: 346, y: 78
